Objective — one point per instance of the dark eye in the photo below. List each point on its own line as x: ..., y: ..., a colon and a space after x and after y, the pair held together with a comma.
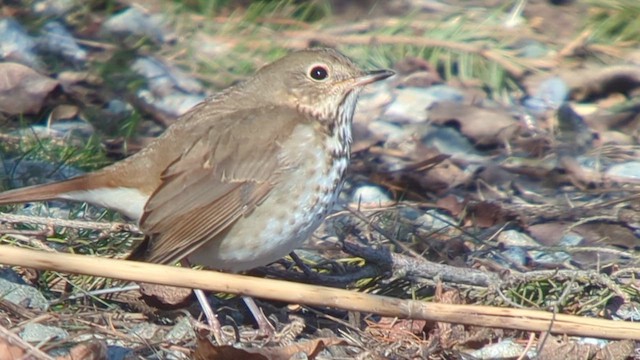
x: 319, y: 73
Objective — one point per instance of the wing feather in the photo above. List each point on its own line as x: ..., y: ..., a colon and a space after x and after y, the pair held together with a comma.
x: 220, y: 178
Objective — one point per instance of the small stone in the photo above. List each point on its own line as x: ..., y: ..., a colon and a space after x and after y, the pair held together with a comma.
x: 180, y: 331
x: 53, y: 8
x: 550, y: 95
x: 16, y: 45
x: 629, y: 170
x: 516, y: 238
x: 370, y: 194
x: 502, y: 350
x: 145, y: 331
x: 134, y: 22
x: 56, y: 39
x: 38, y: 333
x: 411, y: 103
x: 23, y: 295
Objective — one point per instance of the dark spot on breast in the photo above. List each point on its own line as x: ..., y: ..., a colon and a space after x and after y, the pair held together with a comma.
x: 331, y: 128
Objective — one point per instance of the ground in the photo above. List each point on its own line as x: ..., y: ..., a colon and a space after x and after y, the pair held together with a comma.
x: 498, y: 168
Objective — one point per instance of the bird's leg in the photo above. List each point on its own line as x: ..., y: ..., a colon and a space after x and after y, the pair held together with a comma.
x: 263, y: 323
x: 212, y: 320
x: 209, y: 314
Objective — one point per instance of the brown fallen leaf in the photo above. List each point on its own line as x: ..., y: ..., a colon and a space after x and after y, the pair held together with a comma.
x: 205, y: 350
x: 22, y: 89
x: 9, y: 351
x: 158, y: 295
x: 483, y: 126
x: 90, y: 350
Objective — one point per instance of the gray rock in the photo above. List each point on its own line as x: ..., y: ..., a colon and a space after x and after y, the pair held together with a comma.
x: 370, y: 194
x: 174, y: 104
x: 450, y: 141
x: 503, y: 350
x: 169, y: 89
x: 385, y: 130
x: 180, y: 331
x: 146, y: 331
x: 630, y: 170
x: 529, y: 48
x: 434, y: 220
x: 38, y: 333
x: 16, y: 45
x: 119, y: 353
x: 549, y: 259
x: 164, y: 79
x: 66, y: 129
x: 23, y: 295
x: 56, y: 39
x: 411, y: 103
x: 550, y: 94
x: 53, y: 8
x: 134, y: 22
x: 570, y: 239
x: 515, y: 238
x: 515, y: 255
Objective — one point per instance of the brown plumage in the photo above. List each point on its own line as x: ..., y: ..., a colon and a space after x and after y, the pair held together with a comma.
x: 242, y: 178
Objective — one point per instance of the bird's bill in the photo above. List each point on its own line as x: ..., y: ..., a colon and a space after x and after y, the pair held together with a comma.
x: 373, y: 76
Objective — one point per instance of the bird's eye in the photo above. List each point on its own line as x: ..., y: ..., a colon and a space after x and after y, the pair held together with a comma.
x: 319, y: 72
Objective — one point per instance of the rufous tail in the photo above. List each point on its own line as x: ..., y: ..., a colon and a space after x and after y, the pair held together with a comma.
x: 45, y: 192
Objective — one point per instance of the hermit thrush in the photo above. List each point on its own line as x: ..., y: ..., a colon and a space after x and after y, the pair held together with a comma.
x: 242, y: 178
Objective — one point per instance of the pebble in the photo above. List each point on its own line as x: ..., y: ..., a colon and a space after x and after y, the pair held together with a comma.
x: 39, y: 333
x: 180, y: 331
x: 134, y: 22
x: 163, y: 79
x: 24, y: 295
x: 56, y: 39
x: 367, y: 194
x: 53, y: 8
x: 531, y: 49
x: 503, y: 350
x: 450, y: 141
x: 145, y: 331
x: 550, y: 259
x: 549, y: 95
x: 16, y: 45
x: 630, y: 170
x: 516, y: 238
x: 175, y: 104
x: 411, y: 103
x: 169, y: 89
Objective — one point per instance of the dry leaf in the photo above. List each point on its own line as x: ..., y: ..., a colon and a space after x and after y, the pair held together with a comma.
x: 8, y: 351
x: 165, y: 295
x: 90, y: 350
x: 23, y: 90
x: 483, y: 126
x: 207, y: 351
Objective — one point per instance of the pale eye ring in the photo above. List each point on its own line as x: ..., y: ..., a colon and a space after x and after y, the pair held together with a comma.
x: 319, y: 72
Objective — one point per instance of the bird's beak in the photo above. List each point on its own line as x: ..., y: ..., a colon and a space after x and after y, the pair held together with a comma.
x: 373, y: 76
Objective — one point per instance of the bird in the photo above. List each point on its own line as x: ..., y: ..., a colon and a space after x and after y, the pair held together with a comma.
x: 244, y: 177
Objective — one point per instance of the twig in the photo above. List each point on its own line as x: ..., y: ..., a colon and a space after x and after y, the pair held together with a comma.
x: 76, y: 224
x: 501, y: 57
x: 528, y: 320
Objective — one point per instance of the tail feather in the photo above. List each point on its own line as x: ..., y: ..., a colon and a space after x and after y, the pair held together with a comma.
x: 44, y: 192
